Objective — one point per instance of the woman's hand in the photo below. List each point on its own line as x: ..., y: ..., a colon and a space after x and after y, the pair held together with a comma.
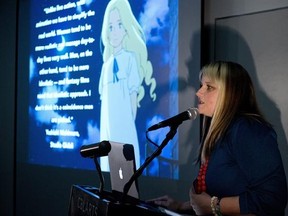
x: 173, y: 205
x: 166, y: 202
x: 201, y: 203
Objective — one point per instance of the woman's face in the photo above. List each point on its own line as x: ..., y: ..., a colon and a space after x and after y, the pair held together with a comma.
x: 116, y: 29
x: 207, y: 97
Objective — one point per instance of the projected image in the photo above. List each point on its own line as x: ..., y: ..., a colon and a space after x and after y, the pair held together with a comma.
x: 101, y: 70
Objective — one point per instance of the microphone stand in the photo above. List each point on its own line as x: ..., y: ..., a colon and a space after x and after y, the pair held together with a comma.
x: 98, y: 168
x: 157, y: 152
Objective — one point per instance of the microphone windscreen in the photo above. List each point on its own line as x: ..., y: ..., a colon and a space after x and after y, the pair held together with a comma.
x: 193, y: 113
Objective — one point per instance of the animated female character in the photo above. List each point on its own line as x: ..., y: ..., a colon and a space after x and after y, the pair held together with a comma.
x: 125, y: 67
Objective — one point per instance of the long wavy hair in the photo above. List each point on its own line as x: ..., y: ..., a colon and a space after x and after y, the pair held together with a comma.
x: 134, y: 41
x: 236, y: 97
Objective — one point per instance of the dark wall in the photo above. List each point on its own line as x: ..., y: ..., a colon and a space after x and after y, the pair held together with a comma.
x: 7, y: 104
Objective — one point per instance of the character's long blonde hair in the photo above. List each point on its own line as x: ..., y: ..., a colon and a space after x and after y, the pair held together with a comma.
x: 134, y: 41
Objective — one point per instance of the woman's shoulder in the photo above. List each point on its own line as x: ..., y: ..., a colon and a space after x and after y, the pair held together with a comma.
x: 251, y: 124
x: 253, y: 133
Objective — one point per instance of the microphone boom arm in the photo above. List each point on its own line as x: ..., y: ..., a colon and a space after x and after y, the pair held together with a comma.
x: 157, y: 152
x: 98, y: 168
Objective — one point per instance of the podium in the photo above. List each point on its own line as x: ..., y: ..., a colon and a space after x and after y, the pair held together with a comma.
x: 86, y: 201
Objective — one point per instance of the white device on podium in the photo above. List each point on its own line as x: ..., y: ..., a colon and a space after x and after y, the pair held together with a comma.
x: 122, y: 167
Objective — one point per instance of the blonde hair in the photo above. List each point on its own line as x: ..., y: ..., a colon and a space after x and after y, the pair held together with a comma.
x: 236, y: 97
x: 134, y: 41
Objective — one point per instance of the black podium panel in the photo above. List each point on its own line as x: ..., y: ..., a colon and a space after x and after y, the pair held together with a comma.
x: 86, y: 201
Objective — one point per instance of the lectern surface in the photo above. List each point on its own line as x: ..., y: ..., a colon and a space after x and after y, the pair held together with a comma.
x: 86, y: 201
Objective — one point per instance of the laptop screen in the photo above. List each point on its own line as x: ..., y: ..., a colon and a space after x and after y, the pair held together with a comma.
x: 122, y: 167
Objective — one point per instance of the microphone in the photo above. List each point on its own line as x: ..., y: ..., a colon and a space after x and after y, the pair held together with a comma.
x: 191, y: 113
x: 96, y: 150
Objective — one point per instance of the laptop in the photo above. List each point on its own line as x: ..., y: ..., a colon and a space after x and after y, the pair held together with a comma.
x: 122, y: 166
